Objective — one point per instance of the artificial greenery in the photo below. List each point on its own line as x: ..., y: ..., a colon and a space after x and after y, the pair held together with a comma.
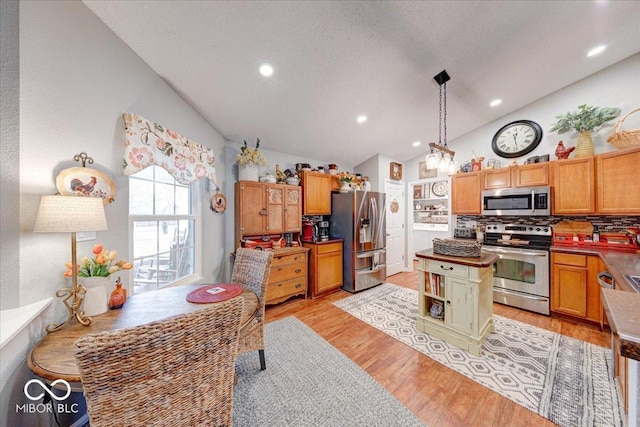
x: 587, y: 118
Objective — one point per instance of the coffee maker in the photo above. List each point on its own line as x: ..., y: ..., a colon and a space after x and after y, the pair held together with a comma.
x: 323, y: 231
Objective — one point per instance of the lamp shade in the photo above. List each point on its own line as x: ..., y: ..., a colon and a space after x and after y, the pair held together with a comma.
x: 60, y: 214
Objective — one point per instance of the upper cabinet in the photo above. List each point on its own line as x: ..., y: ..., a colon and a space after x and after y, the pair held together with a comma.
x: 532, y: 175
x: 617, y: 175
x: 574, y: 186
x: 604, y: 184
x: 465, y: 193
x: 262, y: 209
x: 316, y: 189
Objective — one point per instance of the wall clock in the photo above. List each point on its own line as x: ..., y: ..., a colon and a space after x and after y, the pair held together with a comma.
x: 516, y: 139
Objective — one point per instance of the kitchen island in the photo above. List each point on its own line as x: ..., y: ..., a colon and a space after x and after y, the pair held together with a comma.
x: 456, y: 298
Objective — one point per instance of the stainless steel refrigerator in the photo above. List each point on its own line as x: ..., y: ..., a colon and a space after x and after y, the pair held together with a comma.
x: 359, y: 218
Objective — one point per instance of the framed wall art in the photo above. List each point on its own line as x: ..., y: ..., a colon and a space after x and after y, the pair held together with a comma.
x: 424, y: 173
x: 86, y: 182
x: 417, y: 192
x: 395, y: 170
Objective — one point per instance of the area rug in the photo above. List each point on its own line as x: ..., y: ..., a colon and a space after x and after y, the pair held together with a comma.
x: 308, y: 382
x: 559, y: 378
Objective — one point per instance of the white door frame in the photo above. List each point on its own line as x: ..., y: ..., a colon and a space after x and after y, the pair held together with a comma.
x: 400, y: 185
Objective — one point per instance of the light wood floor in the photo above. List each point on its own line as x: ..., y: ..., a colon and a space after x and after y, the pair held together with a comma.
x: 436, y: 394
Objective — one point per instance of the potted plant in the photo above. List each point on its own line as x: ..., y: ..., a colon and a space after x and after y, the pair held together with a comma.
x: 248, y: 161
x: 584, y: 121
x: 345, y: 179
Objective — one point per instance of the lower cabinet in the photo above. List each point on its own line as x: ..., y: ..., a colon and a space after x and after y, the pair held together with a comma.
x: 574, y: 285
x: 288, y: 277
x: 325, y: 267
x: 455, y: 303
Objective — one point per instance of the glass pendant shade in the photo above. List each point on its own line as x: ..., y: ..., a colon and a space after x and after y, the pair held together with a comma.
x: 453, y: 167
x: 432, y: 160
x: 443, y: 164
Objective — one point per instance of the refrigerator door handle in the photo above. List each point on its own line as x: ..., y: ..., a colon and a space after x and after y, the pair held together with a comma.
x: 373, y: 270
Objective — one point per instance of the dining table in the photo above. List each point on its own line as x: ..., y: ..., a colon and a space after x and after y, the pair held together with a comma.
x: 53, y: 358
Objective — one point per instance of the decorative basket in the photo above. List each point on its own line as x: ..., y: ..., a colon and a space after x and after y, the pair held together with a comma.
x: 459, y: 248
x: 621, y: 138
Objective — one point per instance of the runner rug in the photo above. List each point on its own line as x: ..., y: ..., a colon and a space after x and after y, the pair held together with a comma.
x: 308, y: 382
x: 560, y: 378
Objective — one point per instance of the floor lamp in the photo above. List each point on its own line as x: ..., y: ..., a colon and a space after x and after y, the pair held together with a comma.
x: 71, y: 214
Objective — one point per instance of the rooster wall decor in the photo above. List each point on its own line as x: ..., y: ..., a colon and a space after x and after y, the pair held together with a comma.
x: 86, y: 182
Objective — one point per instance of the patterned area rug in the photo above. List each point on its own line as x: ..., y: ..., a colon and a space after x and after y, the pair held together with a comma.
x: 308, y: 382
x: 560, y: 378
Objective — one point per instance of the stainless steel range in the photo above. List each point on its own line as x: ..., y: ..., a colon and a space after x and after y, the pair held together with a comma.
x: 521, y: 273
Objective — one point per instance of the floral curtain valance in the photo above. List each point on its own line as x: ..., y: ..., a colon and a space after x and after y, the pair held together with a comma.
x: 148, y: 143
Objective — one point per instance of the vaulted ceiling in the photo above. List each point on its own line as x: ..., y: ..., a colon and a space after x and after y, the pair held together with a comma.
x: 336, y: 60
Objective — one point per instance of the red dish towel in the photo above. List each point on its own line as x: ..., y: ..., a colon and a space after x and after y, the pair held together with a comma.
x: 214, y: 293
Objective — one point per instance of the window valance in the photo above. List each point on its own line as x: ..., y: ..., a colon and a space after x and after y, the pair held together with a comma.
x: 148, y: 143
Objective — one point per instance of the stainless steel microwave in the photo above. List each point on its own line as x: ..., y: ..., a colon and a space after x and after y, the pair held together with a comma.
x: 527, y: 201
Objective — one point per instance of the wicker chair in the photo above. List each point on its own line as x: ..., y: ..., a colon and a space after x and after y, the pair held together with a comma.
x: 174, y: 372
x: 251, y: 270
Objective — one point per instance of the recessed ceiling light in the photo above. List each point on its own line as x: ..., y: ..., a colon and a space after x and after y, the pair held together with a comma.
x: 495, y: 102
x: 416, y: 143
x: 266, y: 70
x: 597, y: 50
x: 361, y: 119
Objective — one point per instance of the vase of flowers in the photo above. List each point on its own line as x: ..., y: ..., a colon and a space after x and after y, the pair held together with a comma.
x: 93, y: 276
x: 584, y: 121
x: 248, y: 161
x: 345, y: 180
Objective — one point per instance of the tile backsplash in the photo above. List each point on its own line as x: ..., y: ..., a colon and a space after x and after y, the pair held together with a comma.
x: 604, y: 223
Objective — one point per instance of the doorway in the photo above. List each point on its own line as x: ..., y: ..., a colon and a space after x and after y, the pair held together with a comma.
x: 395, y: 206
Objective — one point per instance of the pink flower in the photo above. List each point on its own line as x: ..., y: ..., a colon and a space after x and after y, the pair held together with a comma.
x: 180, y: 162
x: 160, y: 143
x: 200, y: 171
x: 141, y: 157
x: 172, y: 134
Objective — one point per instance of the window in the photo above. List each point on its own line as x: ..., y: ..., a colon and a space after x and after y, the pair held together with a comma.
x: 164, y: 219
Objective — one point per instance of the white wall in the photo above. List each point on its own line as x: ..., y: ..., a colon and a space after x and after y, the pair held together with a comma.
x: 76, y: 79
x: 615, y: 86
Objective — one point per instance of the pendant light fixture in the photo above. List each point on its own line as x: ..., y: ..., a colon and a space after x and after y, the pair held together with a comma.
x: 444, y: 160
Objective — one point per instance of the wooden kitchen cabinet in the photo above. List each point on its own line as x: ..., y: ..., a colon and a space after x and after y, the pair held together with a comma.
x: 263, y: 209
x: 617, y: 178
x: 466, y: 197
x: 316, y: 193
x: 288, y: 276
x: 325, y: 267
x: 496, y: 178
x: 574, y: 285
x: 533, y: 175
x: 574, y: 186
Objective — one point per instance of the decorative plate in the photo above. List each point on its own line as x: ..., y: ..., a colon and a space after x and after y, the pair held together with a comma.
x: 86, y: 182
x: 440, y: 188
x: 218, y: 202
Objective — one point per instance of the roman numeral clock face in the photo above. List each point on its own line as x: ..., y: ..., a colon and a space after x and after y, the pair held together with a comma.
x: 516, y: 139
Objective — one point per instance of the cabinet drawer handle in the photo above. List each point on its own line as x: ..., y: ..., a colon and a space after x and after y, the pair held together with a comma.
x: 299, y: 270
x: 446, y: 268
x: 264, y: 212
x: 299, y: 285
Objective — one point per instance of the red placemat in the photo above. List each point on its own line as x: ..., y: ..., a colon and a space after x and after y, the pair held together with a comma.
x: 214, y: 293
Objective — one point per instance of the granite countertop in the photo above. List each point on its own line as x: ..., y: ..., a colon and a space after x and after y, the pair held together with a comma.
x: 624, y: 318
x: 618, y: 263
x: 484, y: 260
x: 331, y: 240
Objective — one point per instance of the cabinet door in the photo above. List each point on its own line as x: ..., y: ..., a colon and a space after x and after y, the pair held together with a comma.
x: 465, y: 193
x: 275, y: 208
x: 292, y: 210
x: 317, y: 193
x: 329, y: 274
x: 568, y: 288
x: 618, y: 189
x: 574, y: 186
x: 253, y: 209
x: 496, y: 178
x: 458, y: 305
x: 531, y: 175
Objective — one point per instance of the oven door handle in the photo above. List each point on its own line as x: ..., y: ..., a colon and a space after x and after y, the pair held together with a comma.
x: 502, y: 291
x: 505, y: 251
